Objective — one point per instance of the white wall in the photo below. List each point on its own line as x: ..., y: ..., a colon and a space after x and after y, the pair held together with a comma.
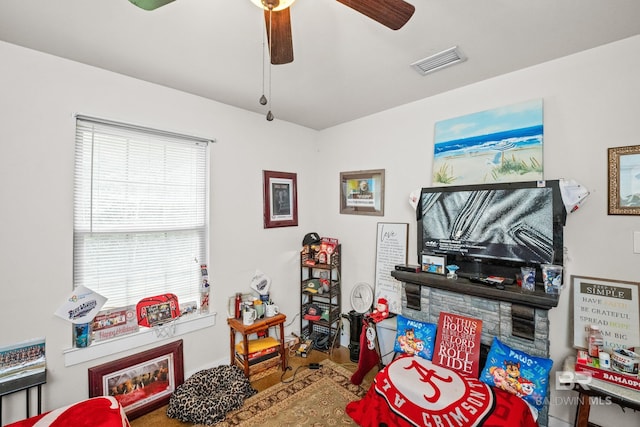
x: 590, y: 103
x: 40, y: 93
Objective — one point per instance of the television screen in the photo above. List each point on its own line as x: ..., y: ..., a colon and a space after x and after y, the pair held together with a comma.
x: 506, y: 224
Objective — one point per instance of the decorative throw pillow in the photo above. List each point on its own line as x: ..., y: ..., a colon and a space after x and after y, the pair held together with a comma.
x: 415, y: 338
x: 518, y: 373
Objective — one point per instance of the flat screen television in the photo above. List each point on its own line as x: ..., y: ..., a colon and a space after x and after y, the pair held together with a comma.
x: 493, y: 229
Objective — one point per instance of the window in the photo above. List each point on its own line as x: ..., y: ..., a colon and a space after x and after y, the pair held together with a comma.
x: 140, y: 211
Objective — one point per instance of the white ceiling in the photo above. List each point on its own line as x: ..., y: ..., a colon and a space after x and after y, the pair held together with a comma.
x: 346, y: 66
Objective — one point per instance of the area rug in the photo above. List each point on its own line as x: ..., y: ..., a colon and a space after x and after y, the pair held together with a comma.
x: 313, y: 398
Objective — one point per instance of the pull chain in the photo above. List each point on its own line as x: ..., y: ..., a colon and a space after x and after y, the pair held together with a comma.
x: 263, y: 99
x: 270, y: 114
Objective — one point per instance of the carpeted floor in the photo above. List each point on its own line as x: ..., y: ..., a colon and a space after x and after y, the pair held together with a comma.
x: 314, y: 397
x: 302, y: 397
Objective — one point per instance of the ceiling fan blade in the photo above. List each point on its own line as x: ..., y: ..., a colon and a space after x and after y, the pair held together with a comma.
x: 390, y: 13
x: 280, y: 41
x: 150, y: 4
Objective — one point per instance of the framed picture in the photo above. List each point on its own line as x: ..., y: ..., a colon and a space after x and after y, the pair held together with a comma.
x: 280, y: 199
x: 504, y: 144
x: 432, y: 263
x: 624, y: 180
x: 362, y: 192
x: 141, y: 382
x: 612, y: 304
x: 22, y: 359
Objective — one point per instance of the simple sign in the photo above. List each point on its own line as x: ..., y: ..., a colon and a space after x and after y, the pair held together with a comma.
x: 391, y: 249
x: 613, y: 305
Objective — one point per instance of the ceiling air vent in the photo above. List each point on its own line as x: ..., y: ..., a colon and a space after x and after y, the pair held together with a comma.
x: 438, y: 61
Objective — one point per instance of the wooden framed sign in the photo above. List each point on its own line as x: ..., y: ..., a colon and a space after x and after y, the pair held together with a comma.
x: 611, y: 304
x: 458, y: 343
x: 392, y: 241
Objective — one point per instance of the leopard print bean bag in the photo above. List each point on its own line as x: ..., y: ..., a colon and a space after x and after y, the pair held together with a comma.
x: 207, y: 396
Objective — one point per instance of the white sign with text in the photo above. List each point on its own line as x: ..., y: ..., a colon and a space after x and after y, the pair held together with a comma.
x: 391, y: 250
x: 611, y: 304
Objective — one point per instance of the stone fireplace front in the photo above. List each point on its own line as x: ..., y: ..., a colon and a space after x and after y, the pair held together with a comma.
x: 518, y: 318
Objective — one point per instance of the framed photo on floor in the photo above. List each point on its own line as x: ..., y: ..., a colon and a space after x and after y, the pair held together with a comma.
x: 141, y: 382
x: 280, y: 199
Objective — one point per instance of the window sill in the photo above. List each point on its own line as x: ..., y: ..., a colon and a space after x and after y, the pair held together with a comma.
x: 75, y: 356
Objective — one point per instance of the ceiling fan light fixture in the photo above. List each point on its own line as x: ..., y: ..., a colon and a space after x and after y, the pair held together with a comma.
x: 277, y: 5
x: 150, y: 4
x: 439, y: 61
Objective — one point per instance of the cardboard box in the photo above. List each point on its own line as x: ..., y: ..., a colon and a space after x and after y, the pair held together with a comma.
x: 255, y: 358
x: 609, y: 375
x: 251, y: 357
x: 625, y: 361
x: 114, y: 323
x: 257, y: 345
x: 304, y: 348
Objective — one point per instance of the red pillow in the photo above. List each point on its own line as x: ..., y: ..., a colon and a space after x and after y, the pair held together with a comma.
x: 100, y: 411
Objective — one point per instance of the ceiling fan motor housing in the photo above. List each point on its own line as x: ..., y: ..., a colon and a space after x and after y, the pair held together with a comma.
x: 274, y: 5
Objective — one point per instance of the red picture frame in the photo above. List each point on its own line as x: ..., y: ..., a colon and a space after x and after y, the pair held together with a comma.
x: 141, y: 382
x: 280, y: 195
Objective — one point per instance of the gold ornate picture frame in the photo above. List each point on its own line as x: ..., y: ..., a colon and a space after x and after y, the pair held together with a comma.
x: 624, y: 180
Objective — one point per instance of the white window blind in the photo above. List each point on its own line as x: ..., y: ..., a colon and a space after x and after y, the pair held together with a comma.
x: 140, y: 211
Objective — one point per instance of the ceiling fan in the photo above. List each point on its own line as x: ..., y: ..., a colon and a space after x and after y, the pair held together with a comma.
x: 390, y: 13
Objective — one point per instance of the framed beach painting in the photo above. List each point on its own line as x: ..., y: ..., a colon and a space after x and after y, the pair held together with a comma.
x: 499, y: 145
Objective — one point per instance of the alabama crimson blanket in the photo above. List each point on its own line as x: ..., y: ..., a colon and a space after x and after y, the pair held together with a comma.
x: 95, y: 412
x: 412, y: 391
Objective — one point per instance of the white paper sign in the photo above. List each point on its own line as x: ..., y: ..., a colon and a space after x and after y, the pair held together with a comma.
x: 391, y: 250
x: 261, y: 283
x: 81, y: 306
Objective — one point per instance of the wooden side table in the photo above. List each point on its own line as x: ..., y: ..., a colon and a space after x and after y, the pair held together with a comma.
x: 598, y: 389
x: 607, y: 392
x: 236, y: 326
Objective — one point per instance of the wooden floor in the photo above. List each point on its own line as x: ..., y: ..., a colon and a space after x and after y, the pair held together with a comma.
x: 340, y: 355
